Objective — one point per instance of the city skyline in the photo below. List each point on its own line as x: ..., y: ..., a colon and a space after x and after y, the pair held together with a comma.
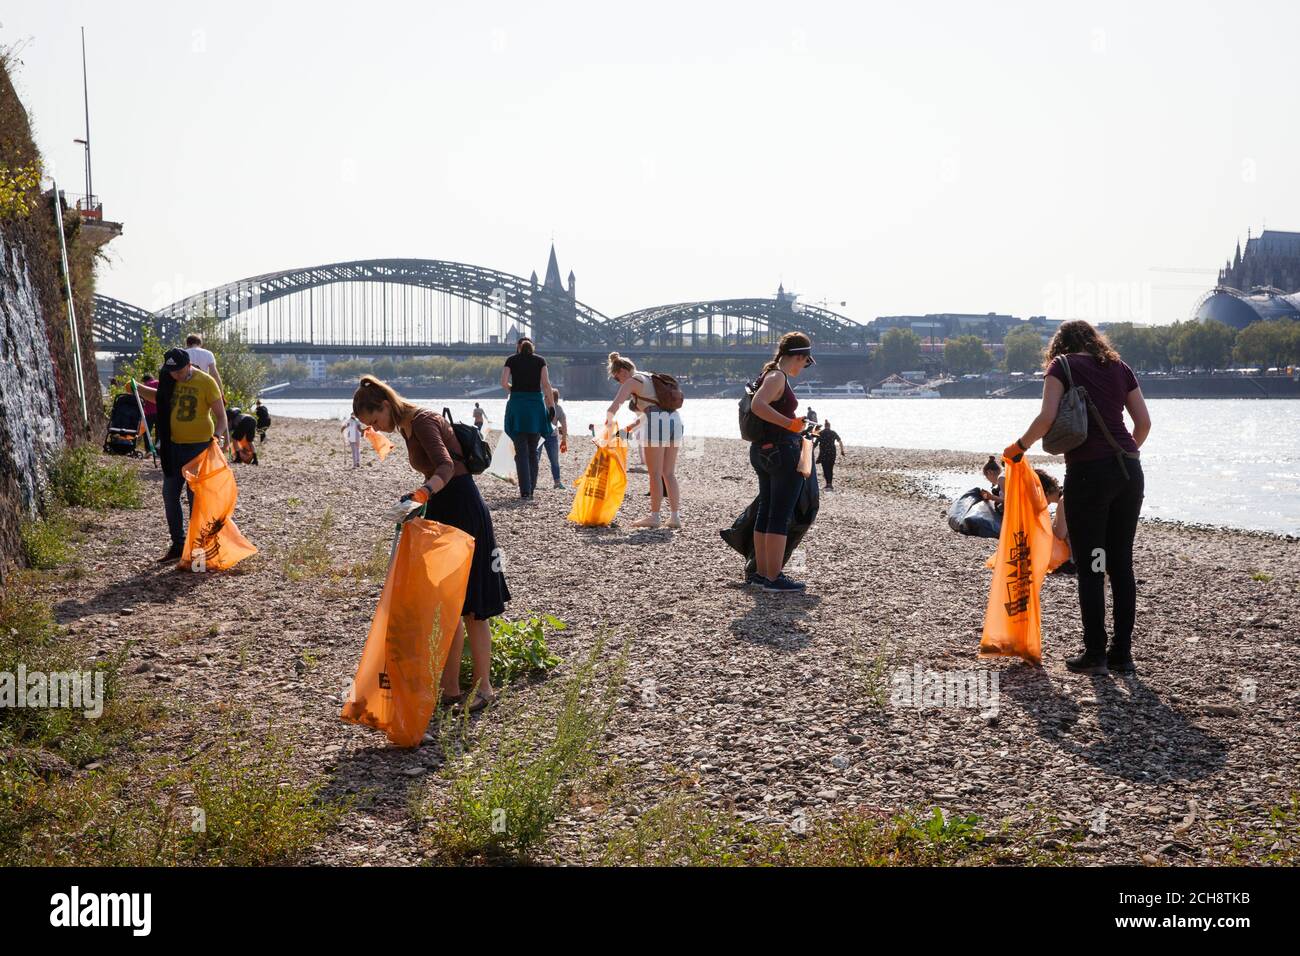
x: 1033, y: 163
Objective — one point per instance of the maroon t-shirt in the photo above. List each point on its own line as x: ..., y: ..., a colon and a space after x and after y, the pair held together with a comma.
x: 1108, y: 386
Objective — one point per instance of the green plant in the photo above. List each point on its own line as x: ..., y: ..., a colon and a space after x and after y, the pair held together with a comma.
x: 309, y: 556
x: 1263, y: 577
x: 681, y: 832
x: 18, y: 190
x: 146, y: 364
x: 518, y: 649
x: 254, y: 813
x: 242, y: 372
x: 1275, y: 842
x: 78, y: 477
x: 47, y: 542
x: 504, y: 793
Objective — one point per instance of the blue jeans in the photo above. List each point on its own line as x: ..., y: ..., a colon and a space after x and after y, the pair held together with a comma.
x: 779, y: 483
x: 527, y: 454
x: 178, y: 455
x: 552, y: 445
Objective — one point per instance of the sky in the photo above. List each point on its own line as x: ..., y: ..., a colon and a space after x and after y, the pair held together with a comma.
x: 1072, y: 160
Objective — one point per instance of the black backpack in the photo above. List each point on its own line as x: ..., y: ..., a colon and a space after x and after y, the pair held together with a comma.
x: 752, y: 428
x: 475, y: 454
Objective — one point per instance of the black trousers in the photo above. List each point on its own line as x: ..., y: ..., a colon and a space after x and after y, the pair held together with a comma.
x: 1101, y: 513
x: 828, y: 469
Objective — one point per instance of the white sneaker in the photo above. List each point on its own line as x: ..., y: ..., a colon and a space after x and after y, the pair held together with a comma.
x: 675, y: 521
x: 649, y: 521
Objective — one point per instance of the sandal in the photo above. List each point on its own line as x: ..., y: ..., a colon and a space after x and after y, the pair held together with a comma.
x: 447, y: 700
x: 480, y: 702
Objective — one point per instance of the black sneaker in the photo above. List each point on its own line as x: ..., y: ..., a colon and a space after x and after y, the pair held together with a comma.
x: 798, y: 585
x: 755, y: 580
x: 782, y: 585
x: 173, y: 553
x: 1087, y: 663
x: 1120, y: 663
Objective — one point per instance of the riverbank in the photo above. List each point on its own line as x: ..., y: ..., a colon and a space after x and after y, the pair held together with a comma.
x: 779, y: 708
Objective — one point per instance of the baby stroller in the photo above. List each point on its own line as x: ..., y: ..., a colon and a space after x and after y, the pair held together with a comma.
x: 125, y: 426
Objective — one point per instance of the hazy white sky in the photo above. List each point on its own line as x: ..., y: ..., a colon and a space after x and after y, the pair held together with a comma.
x: 1035, y: 157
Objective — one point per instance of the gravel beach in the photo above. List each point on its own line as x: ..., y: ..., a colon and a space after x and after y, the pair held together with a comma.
x: 775, y: 705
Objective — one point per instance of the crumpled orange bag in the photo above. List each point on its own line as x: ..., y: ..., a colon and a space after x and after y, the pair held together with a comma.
x: 599, y: 492
x: 212, y: 541
x: 1027, y: 550
x: 396, y: 686
x: 378, y: 442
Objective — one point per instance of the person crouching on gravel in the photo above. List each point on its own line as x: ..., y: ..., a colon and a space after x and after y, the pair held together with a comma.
x: 776, y: 460
x: 659, y: 433
x: 450, y: 497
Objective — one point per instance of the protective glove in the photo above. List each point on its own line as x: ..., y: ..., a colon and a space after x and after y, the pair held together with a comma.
x: 796, y: 425
x: 398, y: 510
x: 1013, y: 451
x: 419, y: 495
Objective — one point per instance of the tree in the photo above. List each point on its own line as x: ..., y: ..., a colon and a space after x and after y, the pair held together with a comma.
x: 1203, y: 345
x: 1022, y: 350
x: 966, y: 354
x: 290, y: 371
x: 1270, y: 344
x: 900, y: 350
x: 145, y: 364
x: 242, y: 372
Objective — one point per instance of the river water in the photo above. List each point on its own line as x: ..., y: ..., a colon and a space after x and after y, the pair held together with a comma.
x: 1223, y: 462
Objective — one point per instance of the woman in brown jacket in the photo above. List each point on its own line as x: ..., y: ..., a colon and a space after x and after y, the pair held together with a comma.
x: 450, y: 497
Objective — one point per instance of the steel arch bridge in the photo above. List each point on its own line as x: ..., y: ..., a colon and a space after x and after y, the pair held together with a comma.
x: 737, y: 323
x: 297, y: 310
x: 547, y: 315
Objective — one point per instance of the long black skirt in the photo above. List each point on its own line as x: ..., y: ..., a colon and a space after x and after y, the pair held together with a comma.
x: 460, y: 505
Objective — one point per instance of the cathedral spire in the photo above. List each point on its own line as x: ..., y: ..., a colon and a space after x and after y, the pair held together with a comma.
x: 552, y: 280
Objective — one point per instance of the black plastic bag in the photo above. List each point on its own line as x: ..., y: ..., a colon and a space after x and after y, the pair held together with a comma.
x: 740, y: 535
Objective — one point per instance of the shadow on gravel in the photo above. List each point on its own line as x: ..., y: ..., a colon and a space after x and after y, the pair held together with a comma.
x: 1142, y: 738
x: 776, y: 621
x: 154, y: 584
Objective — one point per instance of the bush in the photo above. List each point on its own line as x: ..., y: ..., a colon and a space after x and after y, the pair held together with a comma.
x: 80, y: 478
x: 47, y: 541
x: 253, y: 813
x: 505, y: 794
x: 518, y: 649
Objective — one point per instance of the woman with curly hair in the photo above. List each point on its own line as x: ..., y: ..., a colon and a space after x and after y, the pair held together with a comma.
x: 1104, y: 486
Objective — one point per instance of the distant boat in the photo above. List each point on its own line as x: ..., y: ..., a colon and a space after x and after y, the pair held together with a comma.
x: 898, y: 387
x: 819, y: 391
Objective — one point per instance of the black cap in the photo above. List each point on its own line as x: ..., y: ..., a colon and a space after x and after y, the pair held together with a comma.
x: 175, y: 360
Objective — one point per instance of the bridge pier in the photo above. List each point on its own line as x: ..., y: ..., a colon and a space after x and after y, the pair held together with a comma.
x: 583, y: 380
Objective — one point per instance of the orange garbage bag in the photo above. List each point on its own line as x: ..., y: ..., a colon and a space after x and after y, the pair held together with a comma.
x: 599, y: 492
x: 242, y: 450
x: 1027, y: 550
x: 213, y: 542
x: 396, y: 686
x: 378, y: 442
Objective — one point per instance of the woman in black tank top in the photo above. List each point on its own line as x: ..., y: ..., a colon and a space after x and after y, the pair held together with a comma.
x: 776, y: 460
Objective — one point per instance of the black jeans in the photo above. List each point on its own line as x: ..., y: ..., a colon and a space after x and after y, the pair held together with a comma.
x: 828, y: 469
x: 527, y: 454
x: 1101, y: 514
x: 779, y: 483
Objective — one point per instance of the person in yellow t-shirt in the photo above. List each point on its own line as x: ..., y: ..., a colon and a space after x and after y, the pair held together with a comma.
x: 190, y: 412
